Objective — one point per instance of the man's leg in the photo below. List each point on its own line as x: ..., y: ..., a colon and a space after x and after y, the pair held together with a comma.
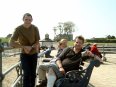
x: 53, y: 74
x: 26, y: 70
x: 33, y: 64
x: 42, y: 71
x: 47, y: 54
x: 51, y: 78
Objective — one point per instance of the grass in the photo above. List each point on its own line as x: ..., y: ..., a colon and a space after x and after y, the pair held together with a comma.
x: 70, y: 43
x: 4, y: 39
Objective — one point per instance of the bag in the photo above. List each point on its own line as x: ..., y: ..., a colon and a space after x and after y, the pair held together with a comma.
x: 71, y: 79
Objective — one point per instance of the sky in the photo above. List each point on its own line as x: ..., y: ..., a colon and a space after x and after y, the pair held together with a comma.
x: 92, y: 18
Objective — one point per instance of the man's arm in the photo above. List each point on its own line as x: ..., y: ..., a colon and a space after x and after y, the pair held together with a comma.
x: 89, y: 53
x: 14, y: 40
x: 15, y: 44
x: 61, y: 69
x: 58, y: 62
x: 36, y: 45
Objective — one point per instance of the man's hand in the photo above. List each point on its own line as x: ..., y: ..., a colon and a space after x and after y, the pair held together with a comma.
x: 36, y: 46
x: 89, y: 53
x: 61, y: 69
x: 98, y: 58
x: 27, y: 49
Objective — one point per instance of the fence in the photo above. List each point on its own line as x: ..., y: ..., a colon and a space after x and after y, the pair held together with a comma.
x: 107, y: 50
x: 18, y: 82
x: 17, y: 66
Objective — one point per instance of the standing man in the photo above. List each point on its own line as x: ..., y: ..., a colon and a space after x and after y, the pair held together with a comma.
x: 26, y: 37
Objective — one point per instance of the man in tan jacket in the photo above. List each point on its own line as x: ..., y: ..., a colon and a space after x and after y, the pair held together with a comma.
x: 26, y: 37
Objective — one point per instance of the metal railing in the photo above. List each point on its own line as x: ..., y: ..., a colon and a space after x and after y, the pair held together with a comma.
x: 18, y: 81
x: 107, y: 50
x: 11, y: 52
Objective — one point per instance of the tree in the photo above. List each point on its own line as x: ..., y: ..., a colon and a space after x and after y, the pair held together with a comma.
x: 60, y: 28
x: 113, y: 37
x: 54, y: 31
x: 9, y: 35
x: 64, y: 30
x: 69, y: 27
x: 110, y: 37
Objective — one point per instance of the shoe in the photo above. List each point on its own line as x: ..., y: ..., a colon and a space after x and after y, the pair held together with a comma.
x: 42, y: 83
x: 49, y: 56
x: 102, y: 62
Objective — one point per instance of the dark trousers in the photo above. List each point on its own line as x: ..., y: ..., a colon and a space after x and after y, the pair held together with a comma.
x: 47, y: 54
x: 29, y: 63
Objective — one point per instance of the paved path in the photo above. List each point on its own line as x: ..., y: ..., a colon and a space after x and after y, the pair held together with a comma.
x: 105, y: 75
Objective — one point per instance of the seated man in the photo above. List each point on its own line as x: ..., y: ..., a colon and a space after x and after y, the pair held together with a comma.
x: 95, y: 50
x: 43, y: 68
x: 68, y: 60
x: 47, y: 55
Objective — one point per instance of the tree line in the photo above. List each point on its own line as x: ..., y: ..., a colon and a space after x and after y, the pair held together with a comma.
x: 64, y: 30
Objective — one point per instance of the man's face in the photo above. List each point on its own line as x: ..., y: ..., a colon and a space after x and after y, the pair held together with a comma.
x: 78, y: 44
x: 27, y: 20
x: 64, y: 43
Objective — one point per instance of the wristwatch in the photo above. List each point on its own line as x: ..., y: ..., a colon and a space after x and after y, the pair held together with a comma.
x: 32, y: 46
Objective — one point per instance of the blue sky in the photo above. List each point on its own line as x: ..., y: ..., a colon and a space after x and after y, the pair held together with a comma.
x: 93, y: 18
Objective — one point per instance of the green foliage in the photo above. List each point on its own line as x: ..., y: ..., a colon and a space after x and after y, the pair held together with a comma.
x: 63, y: 36
x: 64, y: 30
x: 68, y: 27
x: 70, y: 43
x: 101, y: 40
x: 110, y: 37
x: 4, y: 39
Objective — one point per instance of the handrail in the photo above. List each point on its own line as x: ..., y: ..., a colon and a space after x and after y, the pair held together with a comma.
x: 106, y: 46
x: 107, y: 50
x: 18, y: 69
x: 11, y: 68
x: 19, y: 78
